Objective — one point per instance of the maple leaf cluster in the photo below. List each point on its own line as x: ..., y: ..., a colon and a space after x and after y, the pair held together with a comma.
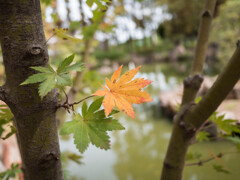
x: 124, y: 91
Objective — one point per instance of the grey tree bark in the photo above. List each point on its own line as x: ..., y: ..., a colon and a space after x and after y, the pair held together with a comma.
x: 23, y: 45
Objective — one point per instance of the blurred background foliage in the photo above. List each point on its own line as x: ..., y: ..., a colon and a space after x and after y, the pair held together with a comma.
x: 159, y: 34
x: 157, y: 30
x: 225, y: 29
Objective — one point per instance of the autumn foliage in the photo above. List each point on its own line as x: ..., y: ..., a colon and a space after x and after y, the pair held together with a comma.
x: 124, y: 91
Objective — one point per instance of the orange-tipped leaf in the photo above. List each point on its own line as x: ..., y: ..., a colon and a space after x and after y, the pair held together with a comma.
x: 124, y: 91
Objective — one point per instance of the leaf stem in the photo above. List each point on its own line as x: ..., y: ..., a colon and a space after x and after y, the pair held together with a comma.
x: 66, y: 102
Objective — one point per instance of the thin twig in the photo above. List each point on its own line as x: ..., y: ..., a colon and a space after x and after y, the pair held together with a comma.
x: 50, y: 38
x: 201, y: 162
x: 66, y: 102
x: 81, y: 100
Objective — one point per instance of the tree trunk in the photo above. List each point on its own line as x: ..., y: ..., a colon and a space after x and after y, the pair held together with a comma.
x: 23, y: 45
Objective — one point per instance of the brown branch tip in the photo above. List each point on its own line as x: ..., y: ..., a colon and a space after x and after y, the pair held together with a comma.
x: 70, y: 106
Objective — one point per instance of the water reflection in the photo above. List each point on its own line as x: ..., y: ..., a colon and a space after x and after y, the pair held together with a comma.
x: 163, y: 77
x: 140, y: 150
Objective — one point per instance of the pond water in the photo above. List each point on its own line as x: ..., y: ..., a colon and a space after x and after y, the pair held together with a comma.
x: 137, y: 153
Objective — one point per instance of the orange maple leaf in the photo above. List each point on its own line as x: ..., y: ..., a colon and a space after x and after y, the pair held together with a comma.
x: 124, y: 91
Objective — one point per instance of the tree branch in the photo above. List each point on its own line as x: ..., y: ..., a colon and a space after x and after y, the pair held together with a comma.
x: 203, y: 35
x: 191, y: 87
x: 217, y: 93
x: 183, y: 131
x: 201, y: 162
x: 197, y: 115
x: 193, y: 83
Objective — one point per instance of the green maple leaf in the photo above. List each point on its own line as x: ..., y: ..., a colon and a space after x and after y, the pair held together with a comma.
x: 75, y: 158
x: 90, y: 2
x: 2, y: 124
x: 98, y: 2
x: 5, y: 113
x: 97, y: 15
x: 50, y: 78
x: 79, y: 129
x: 12, y: 131
x: 202, y: 136
x: 226, y: 125
x: 221, y: 169
x: 97, y: 19
x: 6, y: 117
x: 47, y: 85
x: 47, y: 2
x: 91, y: 126
x: 61, y: 33
x: 11, y: 173
x: 84, y: 133
x: 192, y: 156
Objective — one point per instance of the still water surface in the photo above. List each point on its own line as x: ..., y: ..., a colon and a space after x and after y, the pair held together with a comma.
x: 137, y: 153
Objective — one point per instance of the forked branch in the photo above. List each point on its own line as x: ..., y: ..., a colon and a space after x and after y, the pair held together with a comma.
x: 70, y: 106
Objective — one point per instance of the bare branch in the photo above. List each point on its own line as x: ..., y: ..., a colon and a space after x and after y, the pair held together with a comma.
x: 201, y: 162
x: 203, y: 35
x: 81, y: 100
